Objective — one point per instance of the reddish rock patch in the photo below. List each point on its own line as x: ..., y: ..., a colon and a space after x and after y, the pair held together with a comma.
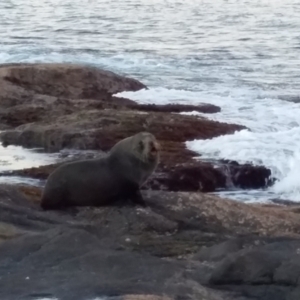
x: 32, y: 193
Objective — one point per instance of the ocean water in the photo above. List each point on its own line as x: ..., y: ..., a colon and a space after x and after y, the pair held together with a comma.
x: 238, y: 54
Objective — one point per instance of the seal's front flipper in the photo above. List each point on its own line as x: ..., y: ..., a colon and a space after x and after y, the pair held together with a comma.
x: 138, y: 199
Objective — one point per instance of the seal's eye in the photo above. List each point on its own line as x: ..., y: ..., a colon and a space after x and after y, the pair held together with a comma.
x: 141, y: 145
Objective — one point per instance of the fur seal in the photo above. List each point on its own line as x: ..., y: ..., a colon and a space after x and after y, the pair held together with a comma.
x: 96, y: 182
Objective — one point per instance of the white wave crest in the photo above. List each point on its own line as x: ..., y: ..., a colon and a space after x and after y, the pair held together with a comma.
x: 272, y: 138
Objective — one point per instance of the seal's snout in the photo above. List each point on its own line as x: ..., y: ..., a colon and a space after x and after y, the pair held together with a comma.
x: 154, y: 147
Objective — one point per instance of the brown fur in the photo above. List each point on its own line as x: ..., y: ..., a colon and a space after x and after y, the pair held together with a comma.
x: 96, y: 182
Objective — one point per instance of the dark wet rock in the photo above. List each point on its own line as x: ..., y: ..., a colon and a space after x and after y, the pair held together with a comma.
x: 140, y: 297
x: 251, y: 177
x: 208, y: 177
x: 285, y: 202
x: 190, y: 177
x: 246, y: 176
x: 177, y: 108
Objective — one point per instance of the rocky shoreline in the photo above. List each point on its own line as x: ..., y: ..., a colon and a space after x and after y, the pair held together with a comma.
x: 185, y: 245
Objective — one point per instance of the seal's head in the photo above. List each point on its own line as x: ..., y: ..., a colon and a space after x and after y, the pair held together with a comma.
x: 146, y: 147
x: 135, y: 157
x: 143, y: 146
